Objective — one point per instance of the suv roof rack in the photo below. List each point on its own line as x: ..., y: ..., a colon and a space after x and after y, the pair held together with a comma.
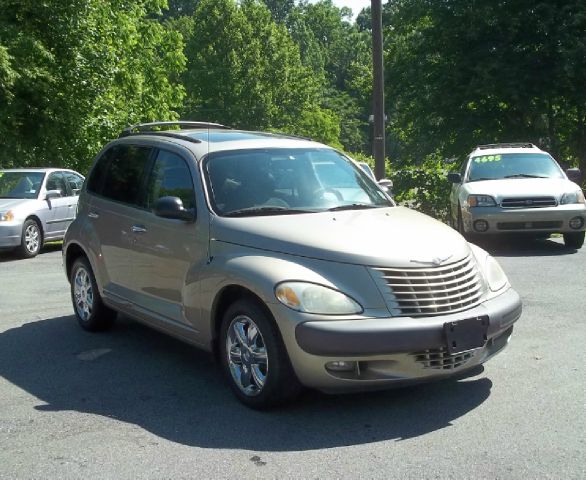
x: 154, y: 128
x: 505, y: 145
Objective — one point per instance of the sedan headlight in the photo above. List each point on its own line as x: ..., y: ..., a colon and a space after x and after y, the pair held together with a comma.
x: 7, y: 216
x: 495, y: 276
x: 481, y: 201
x: 313, y: 298
x: 572, y: 197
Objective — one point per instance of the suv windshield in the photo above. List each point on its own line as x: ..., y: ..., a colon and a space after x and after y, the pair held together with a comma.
x: 286, y: 181
x: 20, y: 184
x: 513, y: 165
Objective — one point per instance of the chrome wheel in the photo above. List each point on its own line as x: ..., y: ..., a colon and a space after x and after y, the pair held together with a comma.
x: 32, y: 238
x: 247, y: 355
x: 83, y: 294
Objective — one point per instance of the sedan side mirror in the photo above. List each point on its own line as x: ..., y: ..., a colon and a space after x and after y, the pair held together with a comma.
x: 574, y: 174
x: 454, y: 177
x: 172, y: 207
x: 53, y: 194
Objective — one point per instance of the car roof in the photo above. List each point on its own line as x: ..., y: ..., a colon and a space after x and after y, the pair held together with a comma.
x: 505, y: 148
x: 205, y: 140
x: 38, y: 170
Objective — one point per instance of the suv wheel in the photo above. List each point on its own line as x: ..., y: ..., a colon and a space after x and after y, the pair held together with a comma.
x: 31, y: 240
x: 90, y: 311
x: 254, y: 358
x: 574, y: 239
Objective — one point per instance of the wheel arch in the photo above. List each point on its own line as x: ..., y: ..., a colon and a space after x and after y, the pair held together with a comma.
x: 73, y: 252
x: 34, y: 217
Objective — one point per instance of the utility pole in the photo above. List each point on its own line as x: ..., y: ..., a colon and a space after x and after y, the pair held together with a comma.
x: 378, y: 94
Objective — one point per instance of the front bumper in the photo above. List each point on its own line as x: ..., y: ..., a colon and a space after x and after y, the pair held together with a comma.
x: 388, y: 351
x: 10, y: 234
x: 502, y: 220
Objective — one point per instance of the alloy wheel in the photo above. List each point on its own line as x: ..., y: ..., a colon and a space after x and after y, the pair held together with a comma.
x: 83, y: 293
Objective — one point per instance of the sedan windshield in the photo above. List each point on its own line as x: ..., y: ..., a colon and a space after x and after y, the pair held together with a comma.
x: 288, y: 181
x: 513, y: 165
x: 20, y: 184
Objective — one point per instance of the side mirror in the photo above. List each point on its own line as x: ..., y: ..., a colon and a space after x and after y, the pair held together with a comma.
x: 172, y: 207
x: 386, y: 185
x: 53, y: 194
x: 454, y: 177
x: 574, y: 174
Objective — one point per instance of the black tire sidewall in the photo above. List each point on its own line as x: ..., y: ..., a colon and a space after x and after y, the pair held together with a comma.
x: 25, y: 252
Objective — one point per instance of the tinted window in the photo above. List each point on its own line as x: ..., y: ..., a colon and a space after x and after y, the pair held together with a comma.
x: 170, y: 178
x: 55, y: 181
x: 73, y: 182
x: 122, y: 179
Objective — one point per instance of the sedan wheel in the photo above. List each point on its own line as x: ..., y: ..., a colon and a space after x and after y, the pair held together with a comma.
x: 31, y: 240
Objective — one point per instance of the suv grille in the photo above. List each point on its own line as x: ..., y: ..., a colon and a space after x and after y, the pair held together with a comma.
x: 441, y: 359
x: 430, y: 291
x: 529, y: 202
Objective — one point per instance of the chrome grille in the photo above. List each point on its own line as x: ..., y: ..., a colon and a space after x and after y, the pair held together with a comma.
x: 430, y: 291
x: 441, y: 359
x: 529, y: 202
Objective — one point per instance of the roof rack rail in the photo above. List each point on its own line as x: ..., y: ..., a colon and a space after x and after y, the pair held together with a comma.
x: 154, y: 127
x: 506, y: 145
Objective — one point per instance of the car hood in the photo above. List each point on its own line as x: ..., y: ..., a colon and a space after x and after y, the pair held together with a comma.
x: 385, y: 237
x: 522, y: 187
x: 13, y: 203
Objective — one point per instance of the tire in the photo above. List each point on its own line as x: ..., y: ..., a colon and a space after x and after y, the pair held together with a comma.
x: 248, y: 334
x: 90, y: 311
x: 31, y: 239
x: 574, y: 240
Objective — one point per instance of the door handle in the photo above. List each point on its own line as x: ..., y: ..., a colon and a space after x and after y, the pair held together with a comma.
x: 138, y: 229
x: 93, y: 215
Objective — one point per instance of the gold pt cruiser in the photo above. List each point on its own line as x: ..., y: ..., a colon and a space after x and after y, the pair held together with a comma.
x: 283, y: 257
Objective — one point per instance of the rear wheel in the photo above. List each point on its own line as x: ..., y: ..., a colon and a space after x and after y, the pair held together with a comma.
x: 31, y: 240
x: 90, y: 311
x: 574, y: 239
x: 254, y: 358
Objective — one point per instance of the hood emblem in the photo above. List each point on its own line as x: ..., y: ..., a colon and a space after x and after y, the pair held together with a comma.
x: 437, y: 261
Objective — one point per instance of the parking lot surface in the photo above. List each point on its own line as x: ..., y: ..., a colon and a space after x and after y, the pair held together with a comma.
x: 132, y: 403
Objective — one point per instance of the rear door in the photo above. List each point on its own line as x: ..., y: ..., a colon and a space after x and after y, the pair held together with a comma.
x: 61, y: 209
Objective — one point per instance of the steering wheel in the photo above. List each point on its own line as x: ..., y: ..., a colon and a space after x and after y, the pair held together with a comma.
x: 319, y: 193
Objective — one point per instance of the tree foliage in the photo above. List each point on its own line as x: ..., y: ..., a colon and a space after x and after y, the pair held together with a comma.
x: 75, y: 72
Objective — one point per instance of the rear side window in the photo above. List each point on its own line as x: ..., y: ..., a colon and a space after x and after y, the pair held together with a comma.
x: 170, y: 177
x: 119, y: 173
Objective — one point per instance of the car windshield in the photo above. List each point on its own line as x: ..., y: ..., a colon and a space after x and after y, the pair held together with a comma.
x: 288, y: 181
x: 513, y: 165
x: 20, y: 184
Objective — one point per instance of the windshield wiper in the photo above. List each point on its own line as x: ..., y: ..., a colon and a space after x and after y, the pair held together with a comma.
x: 480, y: 179
x: 353, y: 206
x: 251, y: 211
x: 525, y: 175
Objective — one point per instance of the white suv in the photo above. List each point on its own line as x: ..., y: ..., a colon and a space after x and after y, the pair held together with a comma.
x: 516, y: 187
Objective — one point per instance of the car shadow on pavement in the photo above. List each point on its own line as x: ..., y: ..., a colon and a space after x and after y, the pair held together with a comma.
x: 12, y: 256
x: 519, y: 246
x: 136, y: 375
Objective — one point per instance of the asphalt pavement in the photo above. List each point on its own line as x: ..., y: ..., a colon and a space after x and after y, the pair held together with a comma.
x: 132, y: 403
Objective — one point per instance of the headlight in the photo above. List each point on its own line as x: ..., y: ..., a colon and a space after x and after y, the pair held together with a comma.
x: 481, y: 201
x: 495, y: 276
x: 7, y: 216
x: 313, y: 298
x: 573, y: 197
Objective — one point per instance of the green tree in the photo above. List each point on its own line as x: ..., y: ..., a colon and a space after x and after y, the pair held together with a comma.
x: 77, y: 72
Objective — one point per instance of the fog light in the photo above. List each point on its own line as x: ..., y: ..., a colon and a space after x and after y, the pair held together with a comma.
x: 481, y: 225
x: 576, y: 223
x: 341, y: 366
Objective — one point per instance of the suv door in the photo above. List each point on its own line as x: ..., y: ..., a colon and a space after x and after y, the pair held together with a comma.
x: 168, y: 251
x: 115, y: 188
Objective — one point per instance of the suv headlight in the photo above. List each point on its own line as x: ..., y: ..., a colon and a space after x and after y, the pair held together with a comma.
x: 495, y: 276
x: 313, y: 298
x: 480, y: 201
x: 7, y: 216
x: 572, y: 197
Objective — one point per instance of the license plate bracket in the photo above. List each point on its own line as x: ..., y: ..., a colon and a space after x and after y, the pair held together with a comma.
x: 467, y: 334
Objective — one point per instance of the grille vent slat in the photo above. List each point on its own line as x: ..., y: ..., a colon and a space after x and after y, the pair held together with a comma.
x: 431, y: 290
x: 529, y: 202
x: 441, y: 359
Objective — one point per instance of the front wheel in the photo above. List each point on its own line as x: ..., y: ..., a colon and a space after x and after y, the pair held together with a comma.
x: 31, y: 240
x: 90, y: 311
x: 254, y: 358
x: 574, y: 239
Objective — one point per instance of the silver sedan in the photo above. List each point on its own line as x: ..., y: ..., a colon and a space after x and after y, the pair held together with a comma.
x: 36, y: 206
